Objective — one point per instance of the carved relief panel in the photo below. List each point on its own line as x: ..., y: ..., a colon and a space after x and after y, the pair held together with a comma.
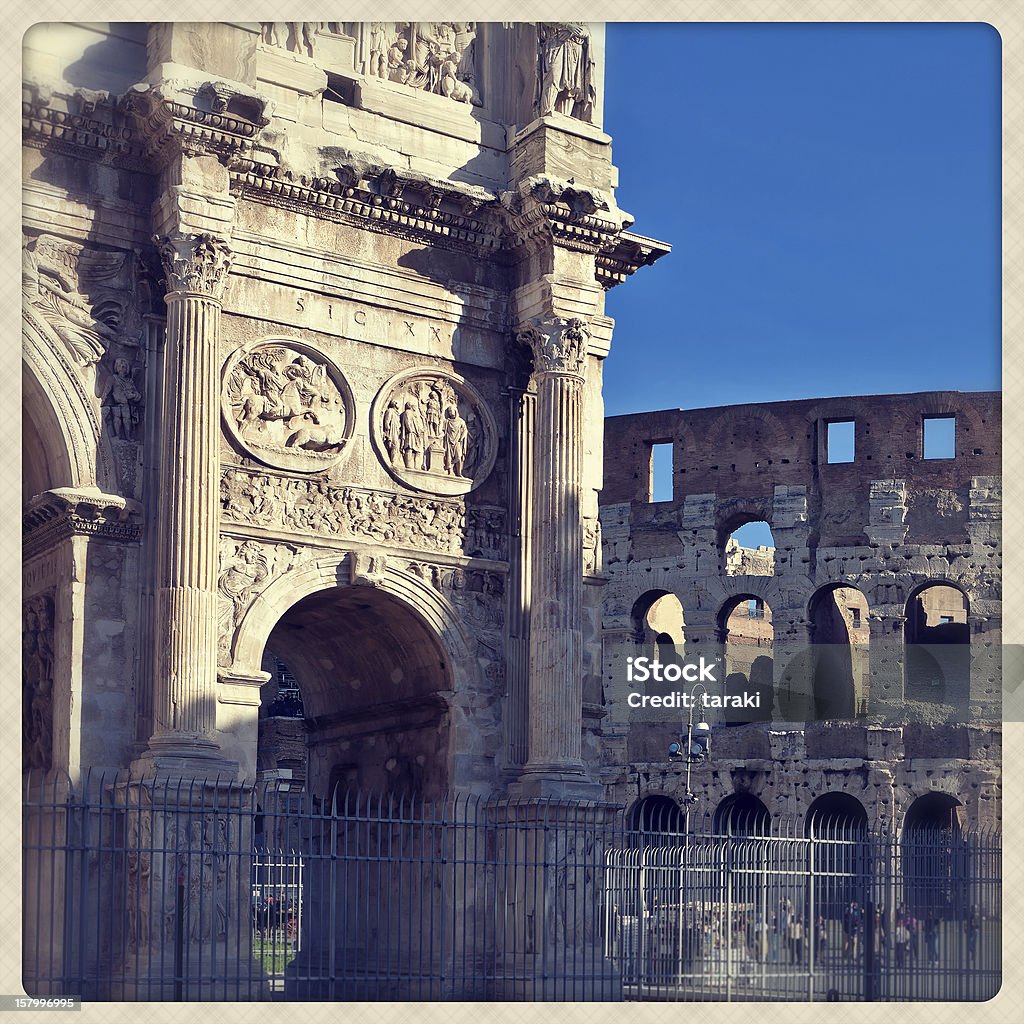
x: 84, y: 295
x: 433, y: 432
x: 431, y: 56
x: 37, y: 682
x: 287, y: 405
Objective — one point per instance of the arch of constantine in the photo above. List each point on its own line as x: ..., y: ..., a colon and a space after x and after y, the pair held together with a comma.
x: 313, y: 337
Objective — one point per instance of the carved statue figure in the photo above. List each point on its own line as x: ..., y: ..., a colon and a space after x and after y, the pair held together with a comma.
x: 398, y: 65
x: 139, y: 872
x: 455, y: 441
x: 434, y: 424
x: 239, y: 581
x: 119, y: 398
x: 451, y: 86
x: 566, y: 70
x: 296, y: 36
x: 37, y: 682
x: 436, y: 56
x: 380, y: 36
x: 392, y: 430
x: 414, y: 440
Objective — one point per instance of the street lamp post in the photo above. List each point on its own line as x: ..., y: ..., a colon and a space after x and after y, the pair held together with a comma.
x: 697, y: 748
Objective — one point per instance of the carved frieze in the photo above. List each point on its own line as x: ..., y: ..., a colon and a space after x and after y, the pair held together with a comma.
x: 315, y: 507
x: 433, y: 432
x: 178, y: 872
x: 287, y: 405
x: 37, y: 682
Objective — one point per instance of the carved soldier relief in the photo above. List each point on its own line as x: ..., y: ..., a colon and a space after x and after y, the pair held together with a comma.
x: 433, y: 432
x: 287, y: 405
x: 566, y: 74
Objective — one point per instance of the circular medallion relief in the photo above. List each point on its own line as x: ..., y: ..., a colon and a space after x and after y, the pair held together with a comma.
x: 433, y: 432
x: 287, y: 405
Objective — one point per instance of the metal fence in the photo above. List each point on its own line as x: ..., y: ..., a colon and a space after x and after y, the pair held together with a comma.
x: 135, y: 889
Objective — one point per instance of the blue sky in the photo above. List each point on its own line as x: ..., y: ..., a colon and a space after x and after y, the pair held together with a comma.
x: 832, y: 195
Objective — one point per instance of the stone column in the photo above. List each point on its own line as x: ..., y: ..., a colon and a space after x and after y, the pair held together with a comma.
x: 185, y: 678
x: 556, y: 615
x: 522, y: 409
x: 887, y: 651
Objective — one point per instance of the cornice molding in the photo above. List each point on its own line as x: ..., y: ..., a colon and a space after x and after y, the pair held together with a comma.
x: 56, y: 515
x: 145, y: 128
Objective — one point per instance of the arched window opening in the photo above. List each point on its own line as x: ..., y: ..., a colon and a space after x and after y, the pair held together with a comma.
x: 937, y: 645
x: 656, y: 813
x: 750, y: 550
x: 748, y: 637
x: 659, y: 626
x: 741, y: 814
x: 838, y: 823
x: 840, y: 636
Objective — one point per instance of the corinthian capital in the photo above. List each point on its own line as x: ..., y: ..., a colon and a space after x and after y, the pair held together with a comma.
x: 559, y: 346
x: 195, y: 263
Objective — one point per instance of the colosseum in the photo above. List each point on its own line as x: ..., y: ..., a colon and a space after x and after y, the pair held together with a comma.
x: 880, y: 597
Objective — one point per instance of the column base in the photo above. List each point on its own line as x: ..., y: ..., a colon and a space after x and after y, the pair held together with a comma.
x: 209, y: 976
x: 581, y: 974
x: 184, y: 757
x: 561, y: 782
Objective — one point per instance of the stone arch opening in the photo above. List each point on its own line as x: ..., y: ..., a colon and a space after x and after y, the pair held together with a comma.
x: 373, y: 679
x: 656, y: 813
x: 839, y: 822
x: 659, y: 624
x: 47, y: 462
x: 748, y: 548
x: 840, y: 639
x: 937, y: 645
x: 747, y: 636
x: 836, y: 814
x: 741, y: 814
x: 934, y: 858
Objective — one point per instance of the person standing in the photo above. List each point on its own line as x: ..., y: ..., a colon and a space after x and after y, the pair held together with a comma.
x: 973, y: 926
x: 931, y: 939
x: 902, y: 938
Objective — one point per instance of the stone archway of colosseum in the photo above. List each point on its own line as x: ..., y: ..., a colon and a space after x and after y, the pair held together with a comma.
x: 347, y: 622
